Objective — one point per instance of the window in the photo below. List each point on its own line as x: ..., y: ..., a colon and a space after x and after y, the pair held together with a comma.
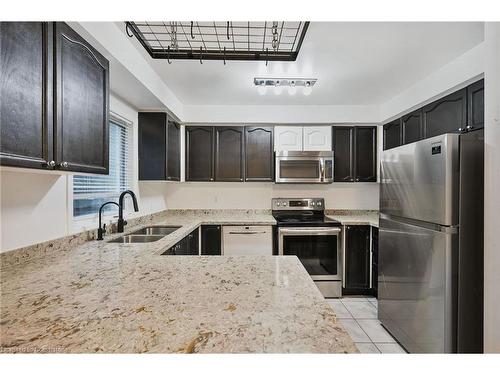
x: 91, y: 191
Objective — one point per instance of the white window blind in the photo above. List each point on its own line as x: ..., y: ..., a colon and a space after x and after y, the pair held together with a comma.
x: 91, y: 191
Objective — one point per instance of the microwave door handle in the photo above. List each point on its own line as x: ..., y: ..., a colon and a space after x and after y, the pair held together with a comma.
x: 322, y: 169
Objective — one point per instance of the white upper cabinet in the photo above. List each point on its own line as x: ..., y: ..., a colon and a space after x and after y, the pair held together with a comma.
x: 288, y: 138
x: 317, y: 138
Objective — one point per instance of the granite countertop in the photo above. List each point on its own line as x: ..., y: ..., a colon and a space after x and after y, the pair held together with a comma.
x: 356, y: 217
x: 115, y: 298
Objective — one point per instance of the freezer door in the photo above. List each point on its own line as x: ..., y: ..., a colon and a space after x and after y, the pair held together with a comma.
x: 420, y: 180
x: 416, y: 285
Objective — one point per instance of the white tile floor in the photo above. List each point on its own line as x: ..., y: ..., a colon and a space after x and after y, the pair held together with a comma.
x: 359, y: 317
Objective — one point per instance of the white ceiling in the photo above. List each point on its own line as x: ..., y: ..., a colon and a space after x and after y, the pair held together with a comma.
x: 356, y: 63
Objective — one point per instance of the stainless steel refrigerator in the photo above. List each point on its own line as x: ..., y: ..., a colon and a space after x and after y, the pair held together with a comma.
x: 431, y: 244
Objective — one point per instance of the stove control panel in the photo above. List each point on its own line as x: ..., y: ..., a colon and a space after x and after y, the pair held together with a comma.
x: 298, y: 204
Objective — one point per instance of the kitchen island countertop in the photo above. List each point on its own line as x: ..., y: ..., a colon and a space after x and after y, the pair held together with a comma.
x: 114, y: 298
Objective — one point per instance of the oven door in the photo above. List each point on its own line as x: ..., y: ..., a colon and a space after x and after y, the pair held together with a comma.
x: 318, y: 248
x: 293, y: 169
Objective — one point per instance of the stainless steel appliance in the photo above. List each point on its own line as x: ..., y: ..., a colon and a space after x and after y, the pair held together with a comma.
x: 431, y: 244
x: 303, y: 230
x: 306, y: 167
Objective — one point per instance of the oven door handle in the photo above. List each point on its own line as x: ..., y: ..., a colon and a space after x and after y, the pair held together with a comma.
x: 309, y: 231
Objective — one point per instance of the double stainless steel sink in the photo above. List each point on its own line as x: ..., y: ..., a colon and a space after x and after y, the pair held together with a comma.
x: 147, y: 234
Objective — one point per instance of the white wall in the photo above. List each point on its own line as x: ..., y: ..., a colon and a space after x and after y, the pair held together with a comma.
x: 32, y: 207
x: 288, y: 114
x: 36, y: 206
x: 128, y: 65
x: 492, y: 189
x: 255, y: 194
x: 458, y: 73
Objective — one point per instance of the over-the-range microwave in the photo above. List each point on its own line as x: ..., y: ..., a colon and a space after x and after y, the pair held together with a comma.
x: 304, y: 167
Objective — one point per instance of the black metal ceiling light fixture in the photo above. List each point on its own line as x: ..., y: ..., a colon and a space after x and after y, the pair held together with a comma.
x: 247, y: 41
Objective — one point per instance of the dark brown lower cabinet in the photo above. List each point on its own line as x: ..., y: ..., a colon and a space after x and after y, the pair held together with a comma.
x: 357, y: 260
x: 187, y: 246
x: 259, y: 153
x: 375, y: 261
x: 211, y: 240
x: 229, y: 153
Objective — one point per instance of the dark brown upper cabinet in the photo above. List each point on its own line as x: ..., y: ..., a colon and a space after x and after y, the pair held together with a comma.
x: 159, y: 147
x: 343, y: 153
x: 199, y: 153
x: 392, y: 134
x: 355, y: 153
x: 475, y: 105
x: 82, y: 102
x: 446, y: 115
x: 259, y: 153
x: 460, y: 111
x: 365, y: 154
x: 55, y: 99
x: 412, y: 127
x: 229, y: 153
x: 173, y: 150
x: 152, y: 133
x: 26, y: 94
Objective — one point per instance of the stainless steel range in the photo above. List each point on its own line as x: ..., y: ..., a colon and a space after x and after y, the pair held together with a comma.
x: 303, y: 230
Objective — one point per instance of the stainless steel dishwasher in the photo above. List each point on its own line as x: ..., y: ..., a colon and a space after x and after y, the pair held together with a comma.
x: 247, y: 240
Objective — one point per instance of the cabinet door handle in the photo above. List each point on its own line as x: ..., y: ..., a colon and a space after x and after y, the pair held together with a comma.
x: 50, y: 164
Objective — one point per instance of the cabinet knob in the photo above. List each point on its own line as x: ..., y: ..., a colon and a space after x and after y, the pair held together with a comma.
x: 357, y: 179
x: 211, y: 178
x: 469, y: 127
x: 51, y: 164
x: 352, y: 179
x: 64, y: 164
